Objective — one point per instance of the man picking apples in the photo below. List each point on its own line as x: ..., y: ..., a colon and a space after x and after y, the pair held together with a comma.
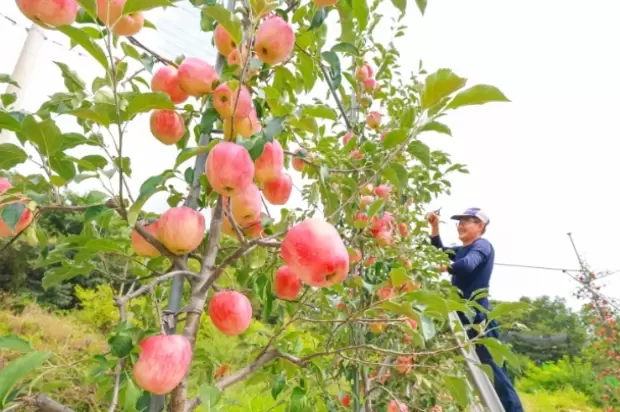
x: 471, y: 269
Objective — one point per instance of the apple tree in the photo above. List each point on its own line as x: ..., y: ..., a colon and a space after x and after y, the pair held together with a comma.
x: 324, y: 299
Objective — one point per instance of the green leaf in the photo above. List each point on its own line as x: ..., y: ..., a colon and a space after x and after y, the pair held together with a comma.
x: 11, y: 155
x: 12, y: 213
x: 298, y: 400
x: 132, y: 395
x: 227, y: 19
x: 277, y: 386
x: 335, y: 69
x: 105, y: 246
x: 18, y: 369
x: 8, y: 99
x: 209, y: 395
x: 421, y: 152
x: 99, y: 117
x: 500, y: 352
x: 346, y: 48
x: 92, y: 163
x: 94, y: 211
x: 476, y: 95
x: 5, y: 78
x: 63, y: 165
x: 134, y: 6
x: 145, y: 102
x: 399, y: 276
x: 274, y: 128
x: 83, y: 39
x: 401, y: 309
x: 321, y: 111
x: 428, y: 327
x: 8, y: 122
x: 459, y: 389
x: 15, y: 343
x: 375, y: 207
x: 73, y: 83
x: 436, y: 127
x: 120, y: 345
x: 319, y: 17
x: 402, y: 174
x: 360, y: 12
x: 438, y: 85
x: 421, y: 5
x: 136, y: 208
x: 90, y: 6
x: 45, y: 135
x: 507, y: 307
x: 57, y: 275
x: 190, y: 152
x: 394, y: 138
x: 400, y: 5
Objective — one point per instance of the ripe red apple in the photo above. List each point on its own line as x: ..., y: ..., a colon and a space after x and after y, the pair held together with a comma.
x: 230, y: 312
x: 371, y: 260
x: 386, y: 292
x: 325, y: 3
x: 166, y: 80
x: 221, y: 370
x: 346, y: 399
x: 167, y: 126
x: 397, y: 406
x: 268, y: 166
x: 365, y: 102
x: 246, y: 205
x: 181, y: 229
x: 278, y: 190
x: 110, y: 12
x: 377, y: 327
x: 354, y: 256
x: 223, y: 40
x: 229, y: 168
x: 248, y: 126
x: 438, y: 408
x: 298, y: 163
x: 369, y: 69
x: 365, y: 201
x: 162, y: 363
x: 356, y: 154
x: 361, y: 73
x: 25, y: 219
x: 370, y: 85
x: 197, y: 77
x: 360, y: 220
x: 347, y: 136
x: 383, y: 191
x: 384, y: 238
x: 286, y: 284
x: 315, y: 252
x: 225, y: 100
x: 140, y: 245
x: 404, y: 364
x: 402, y: 228
x: 373, y: 120
x: 50, y: 12
x: 274, y: 40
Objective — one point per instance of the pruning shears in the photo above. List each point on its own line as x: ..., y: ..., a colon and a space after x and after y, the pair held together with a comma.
x: 438, y: 213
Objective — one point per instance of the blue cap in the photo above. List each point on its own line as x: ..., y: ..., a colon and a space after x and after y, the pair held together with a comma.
x: 475, y: 212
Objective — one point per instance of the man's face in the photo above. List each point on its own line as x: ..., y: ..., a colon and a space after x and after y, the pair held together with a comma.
x: 470, y: 228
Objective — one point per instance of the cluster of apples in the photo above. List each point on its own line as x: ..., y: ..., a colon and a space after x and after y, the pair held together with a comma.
x: 54, y: 13
x: 24, y: 220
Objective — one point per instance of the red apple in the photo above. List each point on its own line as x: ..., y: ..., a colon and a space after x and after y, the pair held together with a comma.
x: 298, y: 163
x: 315, y: 252
x: 228, y: 100
x: 181, y: 229
x: 229, y: 168
x: 24, y: 221
x: 223, y: 40
x: 50, y: 12
x: 166, y: 80
x: 354, y: 256
x: 140, y: 245
x: 248, y: 126
x: 246, y: 205
x: 167, y: 126
x: 404, y: 364
x: 384, y: 238
x: 370, y: 85
x: 268, y: 166
x: 402, y: 228
x: 197, y: 77
x: 347, y: 136
x: 286, y: 284
x: 397, y: 406
x: 356, y: 154
x: 162, y: 363
x: 367, y: 190
x: 361, y: 74
x: 110, y: 12
x: 365, y: 201
x: 346, y: 399
x: 373, y: 120
x: 230, y: 312
x: 274, y: 40
x: 278, y: 191
x: 383, y: 191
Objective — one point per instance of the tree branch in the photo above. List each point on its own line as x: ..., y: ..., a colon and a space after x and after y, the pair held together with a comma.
x: 45, y: 404
x: 151, y: 286
x: 157, y: 56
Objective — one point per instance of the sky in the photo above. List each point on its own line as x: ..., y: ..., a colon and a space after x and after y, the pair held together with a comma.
x: 541, y: 165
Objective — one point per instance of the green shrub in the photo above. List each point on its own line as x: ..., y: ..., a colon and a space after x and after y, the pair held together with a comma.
x: 567, y: 400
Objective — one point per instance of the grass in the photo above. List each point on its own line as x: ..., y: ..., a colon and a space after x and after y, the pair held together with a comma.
x: 565, y: 401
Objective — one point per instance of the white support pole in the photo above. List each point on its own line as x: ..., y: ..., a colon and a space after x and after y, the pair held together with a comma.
x: 23, y: 70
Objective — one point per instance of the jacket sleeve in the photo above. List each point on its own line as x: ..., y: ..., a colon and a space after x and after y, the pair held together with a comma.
x: 436, y: 241
x: 476, y: 256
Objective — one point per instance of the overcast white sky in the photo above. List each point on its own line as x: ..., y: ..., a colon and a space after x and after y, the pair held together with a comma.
x: 541, y: 166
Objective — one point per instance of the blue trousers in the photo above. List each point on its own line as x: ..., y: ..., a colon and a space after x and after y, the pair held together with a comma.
x: 503, y: 386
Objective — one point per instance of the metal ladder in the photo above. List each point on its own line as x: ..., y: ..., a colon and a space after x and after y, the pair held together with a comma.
x: 477, y: 378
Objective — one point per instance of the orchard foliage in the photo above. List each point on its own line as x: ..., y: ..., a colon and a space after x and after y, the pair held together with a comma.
x: 341, y: 291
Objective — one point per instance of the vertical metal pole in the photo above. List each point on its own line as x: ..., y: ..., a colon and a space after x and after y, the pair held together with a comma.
x: 23, y: 70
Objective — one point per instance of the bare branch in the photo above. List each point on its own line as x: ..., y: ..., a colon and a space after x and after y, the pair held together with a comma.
x: 45, y: 404
x: 308, y: 162
x: 151, y: 286
x: 157, y: 56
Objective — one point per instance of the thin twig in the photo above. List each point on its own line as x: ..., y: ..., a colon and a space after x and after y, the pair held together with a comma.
x: 149, y: 288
